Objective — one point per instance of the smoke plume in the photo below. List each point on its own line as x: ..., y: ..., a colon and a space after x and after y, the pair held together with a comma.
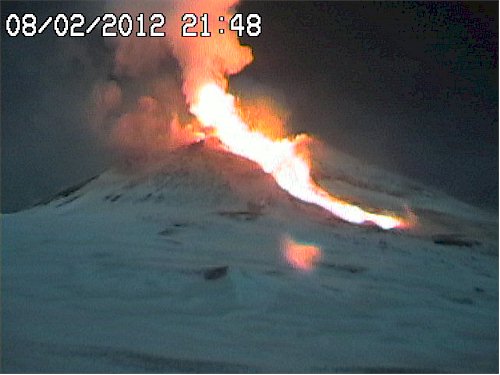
x: 142, y: 108
x: 206, y: 59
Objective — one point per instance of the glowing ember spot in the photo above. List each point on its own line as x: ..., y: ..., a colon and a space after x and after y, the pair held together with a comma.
x: 215, y: 109
x: 300, y: 256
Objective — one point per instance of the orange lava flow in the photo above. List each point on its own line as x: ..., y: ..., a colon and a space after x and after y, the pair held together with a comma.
x: 216, y: 109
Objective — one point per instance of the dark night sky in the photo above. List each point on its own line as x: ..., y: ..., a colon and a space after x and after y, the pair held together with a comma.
x: 412, y: 87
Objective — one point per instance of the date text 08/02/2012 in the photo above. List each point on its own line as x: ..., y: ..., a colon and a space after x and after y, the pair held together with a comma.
x: 124, y: 25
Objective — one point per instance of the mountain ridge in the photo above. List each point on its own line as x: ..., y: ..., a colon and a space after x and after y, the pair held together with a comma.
x: 184, y: 266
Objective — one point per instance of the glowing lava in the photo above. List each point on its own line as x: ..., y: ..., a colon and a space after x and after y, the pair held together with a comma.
x: 215, y: 109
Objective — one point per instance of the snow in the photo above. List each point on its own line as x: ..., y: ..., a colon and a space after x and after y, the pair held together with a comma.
x: 111, y: 277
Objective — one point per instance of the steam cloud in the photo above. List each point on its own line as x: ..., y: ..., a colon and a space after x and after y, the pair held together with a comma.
x: 140, y: 108
x: 209, y: 59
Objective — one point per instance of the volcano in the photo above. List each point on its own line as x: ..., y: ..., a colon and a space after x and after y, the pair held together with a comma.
x: 183, y: 266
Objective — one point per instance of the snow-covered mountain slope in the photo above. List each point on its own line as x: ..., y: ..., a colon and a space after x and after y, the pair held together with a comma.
x: 178, y: 267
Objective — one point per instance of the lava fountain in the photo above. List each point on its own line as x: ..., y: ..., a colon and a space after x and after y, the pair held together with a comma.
x: 206, y: 63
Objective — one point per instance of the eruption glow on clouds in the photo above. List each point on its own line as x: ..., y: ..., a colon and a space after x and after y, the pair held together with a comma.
x: 298, y: 255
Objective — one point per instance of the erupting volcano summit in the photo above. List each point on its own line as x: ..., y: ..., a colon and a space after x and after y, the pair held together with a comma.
x: 206, y: 62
